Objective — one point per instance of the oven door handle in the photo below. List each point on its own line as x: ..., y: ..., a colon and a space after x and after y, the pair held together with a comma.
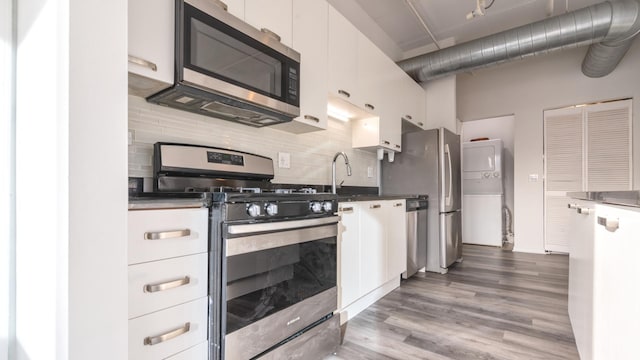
x: 265, y: 241
x: 279, y: 226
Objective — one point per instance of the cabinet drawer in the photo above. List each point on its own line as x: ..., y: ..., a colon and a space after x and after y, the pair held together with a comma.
x: 160, y: 284
x: 198, y: 352
x: 161, y: 234
x: 183, y: 326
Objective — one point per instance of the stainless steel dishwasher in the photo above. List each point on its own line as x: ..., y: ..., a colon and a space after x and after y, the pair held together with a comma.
x: 416, y: 235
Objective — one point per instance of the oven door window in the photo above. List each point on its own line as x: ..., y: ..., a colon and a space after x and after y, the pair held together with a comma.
x: 263, y: 282
x: 220, y: 51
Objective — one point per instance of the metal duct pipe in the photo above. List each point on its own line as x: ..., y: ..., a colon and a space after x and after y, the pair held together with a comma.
x: 602, y: 58
x: 611, y: 22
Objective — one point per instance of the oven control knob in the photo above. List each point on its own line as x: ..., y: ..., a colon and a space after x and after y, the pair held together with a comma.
x: 271, y: 209
x: 316, y: 207
x: 327, y: 206
x: 253, y: 210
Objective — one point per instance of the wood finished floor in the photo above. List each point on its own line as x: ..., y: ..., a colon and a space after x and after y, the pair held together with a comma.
x: 496, y: 304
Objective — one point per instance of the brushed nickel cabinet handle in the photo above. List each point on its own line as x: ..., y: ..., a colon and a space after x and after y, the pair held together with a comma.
x: 370, y: 107
x: 347, y: 209
x: 162, y: 235
x: 344, y: 93
x: 397, y: 204
x: 153, y: 340
x: 611, y: 224
x: 386, y: 142
x: 421, y: 124
x: 584, y: 211
x: 271, y: 34
x: 408, y: 117
x: 151, y: 288
x: 142, y: 62
x: 376, y: 206
x: 312, y: 118
x: 397, y: 146
x: 572, y: 206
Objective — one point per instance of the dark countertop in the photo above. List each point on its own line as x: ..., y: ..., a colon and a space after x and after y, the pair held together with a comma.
x: 370, y: 197
x: 158, y: 200
x: 624, y: 198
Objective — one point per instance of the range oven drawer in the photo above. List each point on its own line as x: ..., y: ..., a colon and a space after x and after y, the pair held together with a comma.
x: 160, y: 284
x: 164, y: 333
x: 167, y: 233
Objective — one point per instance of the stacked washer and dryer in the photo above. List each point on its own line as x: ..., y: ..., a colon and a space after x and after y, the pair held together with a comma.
x: 483, y: 192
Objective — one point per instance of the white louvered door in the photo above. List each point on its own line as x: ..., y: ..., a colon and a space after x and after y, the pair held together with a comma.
x: 564, y: 171
x: 608, y: 146
x: 586, y: 148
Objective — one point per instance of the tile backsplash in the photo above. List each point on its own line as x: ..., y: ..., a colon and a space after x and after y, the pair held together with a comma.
x: 311, y: 153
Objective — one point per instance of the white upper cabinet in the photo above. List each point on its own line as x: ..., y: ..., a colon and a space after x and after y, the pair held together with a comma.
x: 413, y: 101
x: 235, y: 8
x: 151, y: 48
x: 371, y: 66
x: 310, y: 39
x: 271, y: 16
x: 343, y: 59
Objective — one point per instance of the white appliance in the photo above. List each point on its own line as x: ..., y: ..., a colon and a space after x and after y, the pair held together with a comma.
x: 482, y: 190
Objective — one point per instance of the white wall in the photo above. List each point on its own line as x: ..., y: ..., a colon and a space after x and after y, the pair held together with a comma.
x: 441, y: 103
x: 311, y: 153
x: 496, y: 128
x: 7, y: 196
x: 71, y: 295
x: 526, y: 88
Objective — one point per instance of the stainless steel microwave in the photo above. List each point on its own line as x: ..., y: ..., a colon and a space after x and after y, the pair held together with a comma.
x: 227, y: 69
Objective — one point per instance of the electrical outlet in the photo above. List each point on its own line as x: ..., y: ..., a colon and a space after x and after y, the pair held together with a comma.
x: 370, y: 171
x: 284, y: 160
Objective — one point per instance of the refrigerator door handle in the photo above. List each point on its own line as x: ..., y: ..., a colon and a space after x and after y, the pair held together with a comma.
x: 447, y: 198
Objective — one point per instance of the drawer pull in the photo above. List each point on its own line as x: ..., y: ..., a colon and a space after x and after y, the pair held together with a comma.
x: 397, y: 205
x: 161, y: 235
x: 345, y: 209
x: 152, y: 340
x: 151, y: 288
x: 376, y: 206
x: 344, y: 93
x: 142, y: 62
x: 312, y: 118
x: 610, y: 224
x: 583, y: 210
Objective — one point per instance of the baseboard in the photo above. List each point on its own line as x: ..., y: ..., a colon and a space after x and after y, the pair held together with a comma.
x: 367, y: 300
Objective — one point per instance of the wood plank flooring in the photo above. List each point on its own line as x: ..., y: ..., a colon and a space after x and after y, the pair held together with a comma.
x: 496, y: 304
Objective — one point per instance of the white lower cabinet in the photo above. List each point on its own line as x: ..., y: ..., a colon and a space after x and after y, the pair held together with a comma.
x: 616, y: 302
x: 168, y: 272
x: 371, y: 254
x: 348, y: 254
x: 161, y: 334
x: 396, y: 238
x: 603, y: 297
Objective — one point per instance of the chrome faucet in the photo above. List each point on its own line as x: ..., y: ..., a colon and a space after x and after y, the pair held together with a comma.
x: 333, y: 169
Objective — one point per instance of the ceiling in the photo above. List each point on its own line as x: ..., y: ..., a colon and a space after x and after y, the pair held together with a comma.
x: 397, y: 30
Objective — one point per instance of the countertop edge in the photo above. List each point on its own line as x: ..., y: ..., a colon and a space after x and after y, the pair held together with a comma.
x: 629, y: 198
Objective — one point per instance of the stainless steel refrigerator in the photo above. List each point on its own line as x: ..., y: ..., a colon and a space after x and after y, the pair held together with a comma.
x: 430, y: 164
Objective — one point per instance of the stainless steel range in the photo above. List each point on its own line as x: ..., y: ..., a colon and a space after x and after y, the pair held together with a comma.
x: 272, y: 267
